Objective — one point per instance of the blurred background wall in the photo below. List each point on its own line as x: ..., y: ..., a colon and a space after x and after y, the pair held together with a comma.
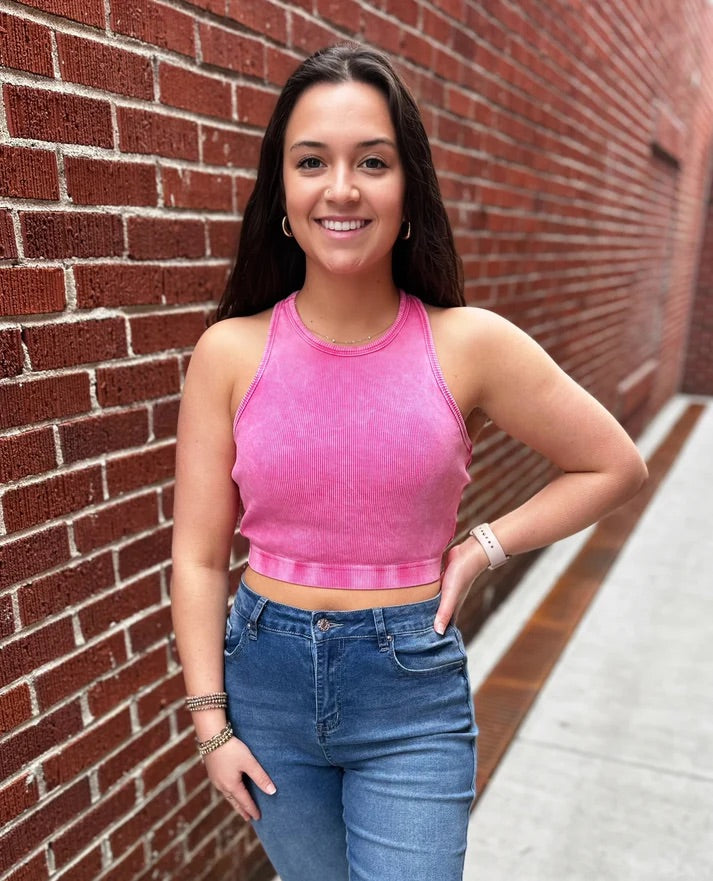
x: 573, y: 143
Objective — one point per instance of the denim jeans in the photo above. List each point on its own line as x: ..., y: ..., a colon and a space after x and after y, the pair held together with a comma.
x: 364, y: 721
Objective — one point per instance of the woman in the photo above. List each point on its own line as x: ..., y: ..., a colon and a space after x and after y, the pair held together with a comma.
x: 337, y: 397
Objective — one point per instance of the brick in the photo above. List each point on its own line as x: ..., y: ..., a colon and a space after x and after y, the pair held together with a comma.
x: 381, y: 32
x: 154, y: 23
x: 54, y: 593
x: 89, y: 12
x: 7, y: 618
x: 15, y: 707
x: 32, y: 554
x: 25, y: 45
x: 309, y: 36
x: 120, y: 284
x: 11, y: 354
x: 22, y: 455
x: 91, y: 824
x: 8, y: 246
x: 144, y: 553
x: 95, y: 435
x: 29, y: 290
x: 72, y: 675
x: 152, y: 811
x: 28, y: 173
x: 71, y: 234
x: 186, y: 188
x: 127, y: 867
x: 279, y: 65
x: 98, y: 740
x: 174, y: 825
x: 88, y: 868
x: 137, y: 382
x: 223, y: 237
x: 49, y: 732
x: 65, y: 344
x: 33, y: 870
x: 93, y: 182
x: 343, y: 13
x: 57, y: 117
x: 116, y: 522
x: 152, y: 628
x: 194, y: 284
x: 137, y: 470
x: 36, y: 400
x: 232, y: 50
x: 165, y: 420
x: 141, y: 131
x: 255, y: 105
x: 165, y: 763
x: 30, y: 650
x: 230, y: 148
x: 110, y: 691
x: 35, y: 503
x: 104, y: 67
x: 155, y: 701
x: 153, y: 238
x: 172, y: 330
x: 194, y: 91
x: 128, y: 600
x: 261, y: 16
x: 151, y: 738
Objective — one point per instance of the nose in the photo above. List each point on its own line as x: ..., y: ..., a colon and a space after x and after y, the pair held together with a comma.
x: 341, y: 187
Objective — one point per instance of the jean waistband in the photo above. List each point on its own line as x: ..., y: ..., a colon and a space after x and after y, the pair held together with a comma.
x: 325, y: 624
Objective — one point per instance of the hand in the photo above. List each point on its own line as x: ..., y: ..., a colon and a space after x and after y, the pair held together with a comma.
x: 226, y: 766
x: 464, y: 563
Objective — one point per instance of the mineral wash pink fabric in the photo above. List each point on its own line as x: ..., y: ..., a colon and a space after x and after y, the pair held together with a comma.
x: 351, y: 461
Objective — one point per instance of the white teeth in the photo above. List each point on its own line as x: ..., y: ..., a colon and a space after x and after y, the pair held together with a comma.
x: 343, y: 225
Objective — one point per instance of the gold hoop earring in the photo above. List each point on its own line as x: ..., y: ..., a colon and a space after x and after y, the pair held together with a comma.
x: 408, y: 230
x: 288, y: 232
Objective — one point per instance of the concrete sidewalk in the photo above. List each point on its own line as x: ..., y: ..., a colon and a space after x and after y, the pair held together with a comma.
x: 610, y: 778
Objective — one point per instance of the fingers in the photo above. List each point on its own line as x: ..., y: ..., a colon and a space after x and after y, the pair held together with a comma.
x: 242, y: 803
x: 257, y: 774
x: 444, y: 614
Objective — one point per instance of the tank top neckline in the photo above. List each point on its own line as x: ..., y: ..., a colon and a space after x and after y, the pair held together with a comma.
x: 335, y: 348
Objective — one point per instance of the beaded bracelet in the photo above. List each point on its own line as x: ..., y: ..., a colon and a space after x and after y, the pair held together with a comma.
x: 216, y: 701
x: 207, y: 746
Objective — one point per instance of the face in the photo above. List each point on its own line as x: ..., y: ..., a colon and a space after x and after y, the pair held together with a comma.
x: 343, y: 180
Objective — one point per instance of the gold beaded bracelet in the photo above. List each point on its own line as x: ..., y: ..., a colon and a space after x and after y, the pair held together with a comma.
x: 207, y: 746
x: 216, y: 701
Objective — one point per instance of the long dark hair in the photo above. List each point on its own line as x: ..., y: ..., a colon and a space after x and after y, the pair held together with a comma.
x: 269, y: 266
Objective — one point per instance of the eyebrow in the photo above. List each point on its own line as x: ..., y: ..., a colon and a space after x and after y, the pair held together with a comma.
x: 319, y: 145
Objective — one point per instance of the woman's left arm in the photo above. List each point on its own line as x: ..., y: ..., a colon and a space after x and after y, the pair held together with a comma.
x: 528, y: 396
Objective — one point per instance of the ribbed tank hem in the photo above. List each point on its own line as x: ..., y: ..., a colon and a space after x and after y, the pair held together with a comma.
x: 347, y: 577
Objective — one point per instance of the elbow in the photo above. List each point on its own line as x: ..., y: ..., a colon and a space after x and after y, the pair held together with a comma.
x: 634, y: 475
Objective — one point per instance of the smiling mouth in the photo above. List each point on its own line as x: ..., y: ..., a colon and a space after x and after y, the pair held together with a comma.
x: 343, y: 225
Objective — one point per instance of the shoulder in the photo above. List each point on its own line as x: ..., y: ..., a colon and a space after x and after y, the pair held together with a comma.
x: 469, y: 326
x: 231, y: 339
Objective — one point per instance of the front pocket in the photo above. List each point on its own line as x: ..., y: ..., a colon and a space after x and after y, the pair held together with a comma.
x: 427, y: 651
x: 236, y: 629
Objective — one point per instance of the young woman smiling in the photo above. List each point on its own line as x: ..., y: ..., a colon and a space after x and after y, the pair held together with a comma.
x: 335, y: 400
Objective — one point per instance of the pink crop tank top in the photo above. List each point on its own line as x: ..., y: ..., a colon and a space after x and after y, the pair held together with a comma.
x: 351, y: 461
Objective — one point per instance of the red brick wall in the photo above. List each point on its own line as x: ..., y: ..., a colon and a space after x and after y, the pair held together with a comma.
x: 571, y: 140
x: 698, y: 378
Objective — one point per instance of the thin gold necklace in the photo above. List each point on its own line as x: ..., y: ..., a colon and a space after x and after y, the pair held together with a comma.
x: 364, y: 339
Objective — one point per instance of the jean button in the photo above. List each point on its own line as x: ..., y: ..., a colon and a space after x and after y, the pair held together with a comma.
x: 323, y: 624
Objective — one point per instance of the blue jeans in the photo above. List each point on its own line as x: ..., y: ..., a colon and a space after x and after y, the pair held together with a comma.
x: 364, y: 721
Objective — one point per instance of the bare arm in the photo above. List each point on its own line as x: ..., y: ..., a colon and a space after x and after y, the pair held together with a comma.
x: 205, y: 516
x: 527, y: 395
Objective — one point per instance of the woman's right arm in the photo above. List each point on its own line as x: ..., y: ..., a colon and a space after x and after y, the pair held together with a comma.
x: 205, y: 516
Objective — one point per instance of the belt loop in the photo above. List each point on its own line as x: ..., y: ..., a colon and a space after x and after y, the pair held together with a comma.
x: 381, y: 629
x: 257, y: 611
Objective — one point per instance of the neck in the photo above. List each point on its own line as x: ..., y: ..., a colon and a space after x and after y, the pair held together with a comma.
x: 347, y: 307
